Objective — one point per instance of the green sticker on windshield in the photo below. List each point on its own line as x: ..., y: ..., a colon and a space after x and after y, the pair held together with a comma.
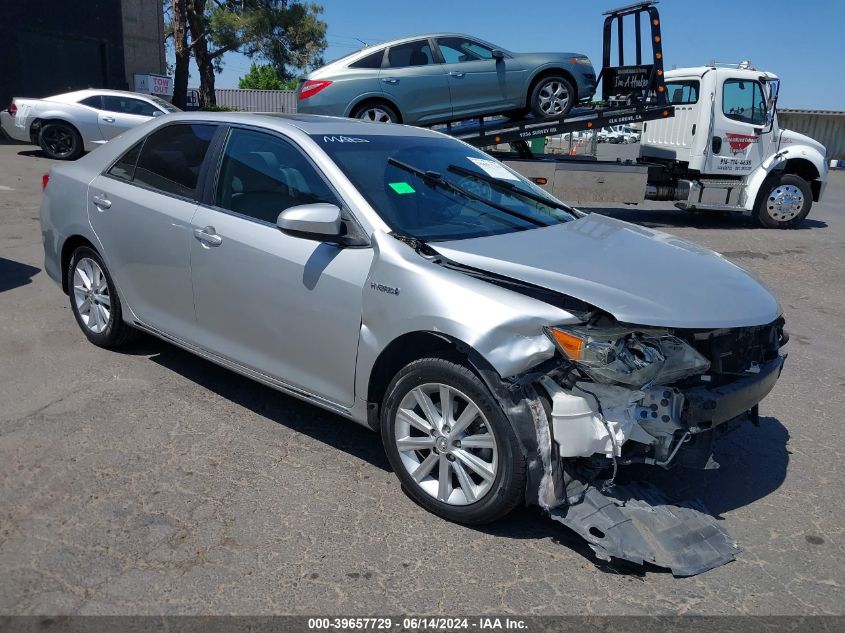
x: 401, y: 187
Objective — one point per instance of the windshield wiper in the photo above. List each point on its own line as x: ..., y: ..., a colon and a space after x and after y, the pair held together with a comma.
x: 436, y: 179
x: 506, y: 186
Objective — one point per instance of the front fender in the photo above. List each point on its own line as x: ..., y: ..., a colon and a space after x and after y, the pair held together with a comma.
x: 777, y: 162
x: 407, y: 292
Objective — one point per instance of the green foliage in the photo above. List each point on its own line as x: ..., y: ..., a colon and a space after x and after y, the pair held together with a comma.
x: 287, y: 34
x: 265, y: 77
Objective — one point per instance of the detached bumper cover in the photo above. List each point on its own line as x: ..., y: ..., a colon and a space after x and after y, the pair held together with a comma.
x: 638, y: 524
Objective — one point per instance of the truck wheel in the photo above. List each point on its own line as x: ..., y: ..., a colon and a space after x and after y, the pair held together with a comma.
x: 783, y: 202
x: 60, y: 141
x: 552, y: 96
x: 450, y: 443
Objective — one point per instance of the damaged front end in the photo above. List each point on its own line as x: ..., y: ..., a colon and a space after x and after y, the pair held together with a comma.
x: 621, y: 395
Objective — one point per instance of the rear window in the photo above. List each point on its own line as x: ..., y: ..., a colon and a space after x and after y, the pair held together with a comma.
x: 171, y: 158
x: 370, y: 61
x: 682, y: 92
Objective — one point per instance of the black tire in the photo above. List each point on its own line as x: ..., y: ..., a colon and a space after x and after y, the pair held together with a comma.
x: 116, y: 332
x: 548, y: 82
x: 60, y: 141
x: 508, y: 483
x: 772, y: 215
x: 388, y: 110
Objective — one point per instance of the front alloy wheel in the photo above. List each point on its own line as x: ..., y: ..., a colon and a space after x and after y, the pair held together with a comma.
x: 784, y: 202
x: 445, y: 444
x: 450, y: 443
x: 552, y: 97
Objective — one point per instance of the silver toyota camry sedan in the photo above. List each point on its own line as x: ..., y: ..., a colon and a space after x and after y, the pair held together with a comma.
x: 508, y: 348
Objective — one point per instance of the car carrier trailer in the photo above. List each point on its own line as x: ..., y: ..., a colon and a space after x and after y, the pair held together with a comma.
x: 710, y: 138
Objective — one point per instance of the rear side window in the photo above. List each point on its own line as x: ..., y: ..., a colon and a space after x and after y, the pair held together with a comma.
x: 682, y: 92
x: 93, y: 102
x: 411, y: 54
x: 171, y: 158
x: 261, y: 175
x: 124, y: 168
x: 370, y: 61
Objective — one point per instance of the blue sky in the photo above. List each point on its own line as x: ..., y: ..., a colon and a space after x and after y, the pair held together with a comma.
x: 799, y: 40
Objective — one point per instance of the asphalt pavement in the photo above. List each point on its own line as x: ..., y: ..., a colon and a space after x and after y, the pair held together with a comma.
x: 148, y: 481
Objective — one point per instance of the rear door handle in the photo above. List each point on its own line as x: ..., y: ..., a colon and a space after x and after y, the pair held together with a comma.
x: 390, y: 80
x: 208, y: 236
x: 455, y: 73
x: 101, y: 201
x: 108, y: 119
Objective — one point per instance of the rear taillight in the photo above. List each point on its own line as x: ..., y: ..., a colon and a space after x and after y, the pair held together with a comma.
x: 12, y: 109
x: 45, y: 179
x: 311, y: 87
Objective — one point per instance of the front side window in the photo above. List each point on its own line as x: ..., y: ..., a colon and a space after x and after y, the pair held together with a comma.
x: 172, y: 157
x: 743, y: 100
x: 459, y: 49
x: 416, y: 53
x: 261, y: 175
x: 124, y: 105
x: 495, y: 200
x: 682, y: 92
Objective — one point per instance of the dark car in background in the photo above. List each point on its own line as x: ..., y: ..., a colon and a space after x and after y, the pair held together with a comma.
x: 443, y: 77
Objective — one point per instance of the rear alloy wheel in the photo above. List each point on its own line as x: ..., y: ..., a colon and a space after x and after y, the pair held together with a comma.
x: 60, y: 141
x: 784, y: 202
x: 376, y: 112
x: 450, y: 443
x: 94, y: 301
x: 552, y: 96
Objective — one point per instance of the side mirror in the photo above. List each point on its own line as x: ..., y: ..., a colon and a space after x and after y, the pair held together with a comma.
x: 497, y: 54
x: 318, y: 221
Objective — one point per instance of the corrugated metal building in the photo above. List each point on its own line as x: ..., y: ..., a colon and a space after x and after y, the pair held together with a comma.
x: 826, y: 126
x: 256, y: 100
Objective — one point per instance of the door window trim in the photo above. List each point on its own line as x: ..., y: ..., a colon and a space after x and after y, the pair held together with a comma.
x: 210, y: 185
x: 203, y: 169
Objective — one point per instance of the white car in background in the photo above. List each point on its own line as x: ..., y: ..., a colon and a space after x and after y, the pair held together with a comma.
x: 619, y: 134
x: 67, y: 125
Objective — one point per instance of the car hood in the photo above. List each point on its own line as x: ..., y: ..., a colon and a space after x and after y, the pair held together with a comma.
x: 790, y: 137
x: 639, y: 276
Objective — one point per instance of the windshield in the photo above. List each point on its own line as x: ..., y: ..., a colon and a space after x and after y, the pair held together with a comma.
x: 437, y: 188
x: 169, y: 107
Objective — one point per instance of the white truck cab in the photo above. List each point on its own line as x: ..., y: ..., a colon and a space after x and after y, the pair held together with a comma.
x: 723, y: 148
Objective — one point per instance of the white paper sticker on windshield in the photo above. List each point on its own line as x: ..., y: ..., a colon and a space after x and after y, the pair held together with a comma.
x: 492, y: 168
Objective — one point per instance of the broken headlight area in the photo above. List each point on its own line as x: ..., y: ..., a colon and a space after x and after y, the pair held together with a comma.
x: 630, y: 357
x: 625, y: 395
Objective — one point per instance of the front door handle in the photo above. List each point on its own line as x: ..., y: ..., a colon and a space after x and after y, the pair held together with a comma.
x: 108, y: 119
x: 455, y: 73
x: 390, y: 80
x: 208, y: 236
x: 101, y: 201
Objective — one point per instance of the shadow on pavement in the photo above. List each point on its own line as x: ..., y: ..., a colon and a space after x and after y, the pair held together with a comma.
x: 14, y: 274
x: 753, y: 460
x: 666, y: 218
x: 299, y: 416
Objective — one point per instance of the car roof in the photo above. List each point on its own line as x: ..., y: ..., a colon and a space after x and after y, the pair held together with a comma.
x: 374, y: 48
x: 76, y: 95
x: 311, y: 124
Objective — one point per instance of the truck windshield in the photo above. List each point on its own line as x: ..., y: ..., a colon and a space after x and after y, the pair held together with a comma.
x: 430, y: 190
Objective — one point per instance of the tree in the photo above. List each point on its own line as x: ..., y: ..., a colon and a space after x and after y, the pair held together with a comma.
x: 179, y: 26
x: 263, y: 77
x: 286, y: 33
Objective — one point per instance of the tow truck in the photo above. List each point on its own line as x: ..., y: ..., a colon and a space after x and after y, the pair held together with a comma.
x: 710, y: 138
